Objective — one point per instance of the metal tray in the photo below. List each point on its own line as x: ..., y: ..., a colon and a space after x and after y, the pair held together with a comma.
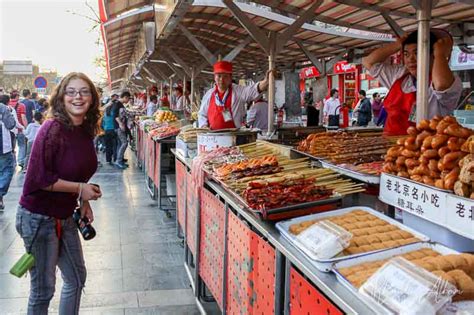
x: 366, y: 178
x: 308, y: 155
x: 263, y: 215
x: 384, y: 255
x: 326, y: 265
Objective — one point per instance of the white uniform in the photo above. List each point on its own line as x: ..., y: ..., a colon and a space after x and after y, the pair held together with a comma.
x: 240, y: 96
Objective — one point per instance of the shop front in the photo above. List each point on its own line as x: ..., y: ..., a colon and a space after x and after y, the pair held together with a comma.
x: 346, y: 78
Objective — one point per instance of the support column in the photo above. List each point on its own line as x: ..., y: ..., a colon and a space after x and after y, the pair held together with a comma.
x: 271, y: 85
x: 423, y: 16
x: 292, y: 93
x: 192, y: 88
x: 184, y: 92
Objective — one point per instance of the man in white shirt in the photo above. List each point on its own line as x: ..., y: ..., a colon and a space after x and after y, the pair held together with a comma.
x: 331, y: 109
x: 257, y: 115
x: 224, y: 106
x: 400, y: 103
x: 151, y: 106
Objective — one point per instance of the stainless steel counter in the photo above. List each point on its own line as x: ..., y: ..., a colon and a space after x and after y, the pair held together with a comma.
x: 324, y: 282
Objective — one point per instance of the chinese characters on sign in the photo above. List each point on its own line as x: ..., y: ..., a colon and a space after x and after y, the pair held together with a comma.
x: 417, y: 199
x: 460, y: 215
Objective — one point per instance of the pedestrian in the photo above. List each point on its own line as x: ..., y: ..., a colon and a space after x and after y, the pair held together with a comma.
x: 257, y: 115
x: 7, y: 160
x: 121, y: 128
x: 34, y: 99
x: 364, y: 110
x: 30, y: 134
x: 331, y: 109
x: 151, y: 106
x: 20, y: 110
x: 42, y: 105
x: 29, y: 105
x: 62, y: 161
x: 376, y: 106
x: 110, y: 136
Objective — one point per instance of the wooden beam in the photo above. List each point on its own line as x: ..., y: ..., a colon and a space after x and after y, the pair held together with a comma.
x: 234, y: 52
x: 180, y: 61
x: 307, y: 16
x: 199, y: 46
x: 314, y: 60
x: 257, y: 34
x: 393, y: 25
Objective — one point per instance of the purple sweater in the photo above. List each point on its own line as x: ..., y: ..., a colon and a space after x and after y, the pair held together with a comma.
x: 58, y: 152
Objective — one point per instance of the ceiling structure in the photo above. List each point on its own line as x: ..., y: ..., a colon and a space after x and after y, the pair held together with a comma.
x: 191, y: 35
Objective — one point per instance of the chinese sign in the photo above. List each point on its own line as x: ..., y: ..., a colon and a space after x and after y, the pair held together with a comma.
x: 344, y: 66
x: 460, y: 215
x: 309, y: 72
x: 417, y: 199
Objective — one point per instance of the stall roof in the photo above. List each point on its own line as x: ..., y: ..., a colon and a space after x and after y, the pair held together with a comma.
x: 354, y: 24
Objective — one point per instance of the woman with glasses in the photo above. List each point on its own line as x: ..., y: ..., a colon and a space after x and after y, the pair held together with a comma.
x: 62, y: 161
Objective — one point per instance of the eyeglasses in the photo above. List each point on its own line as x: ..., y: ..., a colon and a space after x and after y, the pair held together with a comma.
x: 73, y: 93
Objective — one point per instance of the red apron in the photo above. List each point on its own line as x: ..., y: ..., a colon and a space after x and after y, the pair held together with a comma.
x: 214, y: 113
x: 398, y: 106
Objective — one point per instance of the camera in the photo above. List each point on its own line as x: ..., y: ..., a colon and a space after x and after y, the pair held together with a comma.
x: 83, y: 224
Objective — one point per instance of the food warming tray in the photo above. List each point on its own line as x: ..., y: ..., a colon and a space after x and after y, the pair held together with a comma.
x: 366, y: 178
x: 326, y: 265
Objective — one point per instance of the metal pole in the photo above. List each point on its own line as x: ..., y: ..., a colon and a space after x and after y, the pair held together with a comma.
x: 271, y: 85
x: 423, y: 16
x: 161, y: 89
x: 184, y: 92
x: 192, y: 88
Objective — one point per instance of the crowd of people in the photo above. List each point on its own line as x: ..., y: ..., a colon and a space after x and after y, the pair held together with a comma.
x: 27, y: 115
x: 21, y: 119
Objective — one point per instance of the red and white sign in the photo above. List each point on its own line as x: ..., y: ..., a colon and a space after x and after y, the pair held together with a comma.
x: 309, y: 72
x: 344, y: 66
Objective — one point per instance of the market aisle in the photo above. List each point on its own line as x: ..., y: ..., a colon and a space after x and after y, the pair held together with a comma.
x: 134, y: 265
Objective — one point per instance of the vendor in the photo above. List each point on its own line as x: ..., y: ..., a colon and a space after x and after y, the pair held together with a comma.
x: 400, y: 103
x: 223, y: 106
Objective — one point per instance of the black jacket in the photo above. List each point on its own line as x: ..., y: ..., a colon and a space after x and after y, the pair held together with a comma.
x: 365, y: 112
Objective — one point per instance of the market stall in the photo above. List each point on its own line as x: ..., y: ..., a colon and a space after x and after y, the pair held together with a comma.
x: 227, y: 198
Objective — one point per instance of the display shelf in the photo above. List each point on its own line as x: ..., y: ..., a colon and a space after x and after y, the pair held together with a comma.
x: 326, y: 283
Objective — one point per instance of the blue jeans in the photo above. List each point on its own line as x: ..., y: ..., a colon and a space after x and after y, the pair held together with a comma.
x: 21, y: 140
x: 7, y: 168
x: 122, y: 136
x: 49, y: 252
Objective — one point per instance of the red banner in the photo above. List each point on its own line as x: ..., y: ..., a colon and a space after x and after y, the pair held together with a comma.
x: 344, y: 66
x: 309, y: 72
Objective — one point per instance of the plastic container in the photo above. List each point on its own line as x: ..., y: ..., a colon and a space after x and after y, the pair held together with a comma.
x: 324, y: 239
x: 438, y: 233
x: 400, y: 287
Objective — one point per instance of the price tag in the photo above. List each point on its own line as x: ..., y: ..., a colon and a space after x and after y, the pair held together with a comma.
x: 460, y: 216
x: 420, y: 200
x: 394, y: 287
x: 320, y: 241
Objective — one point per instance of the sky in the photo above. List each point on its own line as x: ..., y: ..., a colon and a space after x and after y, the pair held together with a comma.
x: 50, y: 36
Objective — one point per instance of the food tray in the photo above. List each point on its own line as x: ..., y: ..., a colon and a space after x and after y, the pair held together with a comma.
x: 266, y: 214
x: 163, y: 138
x: 326, y: 265
x: 308, y: 155
x: 278, y: 212
x: 384, y: 255
x: 366, y: 178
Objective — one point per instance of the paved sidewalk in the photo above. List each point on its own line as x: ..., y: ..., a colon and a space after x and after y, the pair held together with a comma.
x: 134, y: 265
